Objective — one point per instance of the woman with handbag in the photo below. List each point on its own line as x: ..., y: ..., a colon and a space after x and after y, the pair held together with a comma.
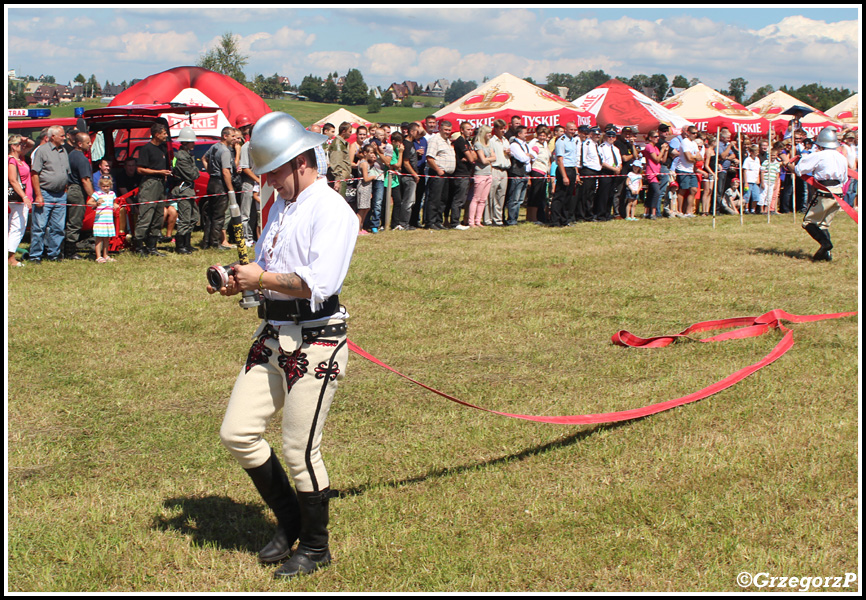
x: 19, y: 196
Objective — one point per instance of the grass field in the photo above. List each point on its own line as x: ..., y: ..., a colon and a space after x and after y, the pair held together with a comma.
x: 118, y: 377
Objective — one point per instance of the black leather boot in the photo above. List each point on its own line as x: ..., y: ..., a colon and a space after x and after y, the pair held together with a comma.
x: 822, y: 237
x: 180, y: 244
x: 140, y: 248
x: 188, y: 243
x: 151, y: 246
x: 312, y: 552
x: 273, y: 485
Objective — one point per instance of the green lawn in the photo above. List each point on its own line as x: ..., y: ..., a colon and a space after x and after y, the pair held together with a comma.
x: 118, y: 377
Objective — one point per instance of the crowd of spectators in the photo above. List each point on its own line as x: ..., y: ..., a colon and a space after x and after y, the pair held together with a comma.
x: 438, y: 175
x: 459, y: 178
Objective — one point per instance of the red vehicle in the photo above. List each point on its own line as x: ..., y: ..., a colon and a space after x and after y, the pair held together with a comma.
x: 119, y: 132
x: 28, y: 122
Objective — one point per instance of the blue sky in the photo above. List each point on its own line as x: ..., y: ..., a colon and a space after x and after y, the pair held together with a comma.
x: 776, y: 46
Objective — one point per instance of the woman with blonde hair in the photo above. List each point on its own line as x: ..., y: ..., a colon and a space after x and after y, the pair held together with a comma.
x: 483, y: 175
x: 20, y: 194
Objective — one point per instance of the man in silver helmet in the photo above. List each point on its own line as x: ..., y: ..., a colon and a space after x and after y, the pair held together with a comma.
x: 830, y: 169
x: 299, y: 351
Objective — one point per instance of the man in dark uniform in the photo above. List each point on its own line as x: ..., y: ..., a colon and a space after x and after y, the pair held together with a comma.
x: 80, y: 189
x: 186, y: 171
x: 154, y: 168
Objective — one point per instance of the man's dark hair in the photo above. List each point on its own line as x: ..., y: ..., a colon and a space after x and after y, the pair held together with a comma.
x: 156, y: 128
x: 310, y: 158
x: 344, y: 127
x: 428, y: 117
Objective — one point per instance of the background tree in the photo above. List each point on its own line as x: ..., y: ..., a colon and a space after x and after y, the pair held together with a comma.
x: 330, y: 93
x: 659, y: 82
x: 354, y: 90
x: 311, y: 87
x: 589, y: 80
x: 817, y: 95
x: 459, y: 89
x: 16, y: 97
x: 680, y: 82
x: 272, y: 87
x: 93, y: 86
x: 226, y: 58
x: 764, y: 90
x: 388, y: 99
x: 737, y: 89
x: 374, y: 105
x: 557, y: 80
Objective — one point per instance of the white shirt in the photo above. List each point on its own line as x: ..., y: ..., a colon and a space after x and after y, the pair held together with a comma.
x: 824, y: 165
x: 851, y: 153
x: 520, y: 153
x: 610, y: 154
x: 498, y: 145
x: 591, y: 158
x: 317, y: 235
x: 752, y: 170
x: 681, y: 163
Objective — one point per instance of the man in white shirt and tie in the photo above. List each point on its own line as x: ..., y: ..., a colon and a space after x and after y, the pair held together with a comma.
x: 611, y: 164
x: 589, y: 172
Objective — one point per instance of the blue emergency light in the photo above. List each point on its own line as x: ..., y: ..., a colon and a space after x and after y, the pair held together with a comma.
x: 79, y: 112
x: 30, y: 113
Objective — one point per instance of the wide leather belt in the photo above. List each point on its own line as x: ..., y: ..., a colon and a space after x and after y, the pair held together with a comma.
x: 296, y: 310
x: 310, y: 334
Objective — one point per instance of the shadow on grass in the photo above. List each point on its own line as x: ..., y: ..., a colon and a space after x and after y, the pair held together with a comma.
x: 798, y: 254
x: 216, y: 521
x: 447, y: 471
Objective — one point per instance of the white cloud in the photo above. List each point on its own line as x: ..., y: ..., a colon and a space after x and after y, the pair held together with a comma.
x: 172, y: 47
x: 328, y: 61
x: 799, y: 27
x: 388, y: 59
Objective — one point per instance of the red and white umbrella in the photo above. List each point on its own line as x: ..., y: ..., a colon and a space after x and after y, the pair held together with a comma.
x: 619, y: 104
x: 847, y: 112
x: 773, y: 106
x: 508, y: 96
x: 709, y: 111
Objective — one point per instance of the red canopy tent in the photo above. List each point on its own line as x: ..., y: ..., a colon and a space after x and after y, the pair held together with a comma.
x: 709, y: 111
x: 198, y: 87
x: 616, y: 103
x: 773, y: 106
x: 508, y: 96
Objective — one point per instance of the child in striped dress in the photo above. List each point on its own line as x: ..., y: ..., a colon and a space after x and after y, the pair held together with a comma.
x: 103, y: 225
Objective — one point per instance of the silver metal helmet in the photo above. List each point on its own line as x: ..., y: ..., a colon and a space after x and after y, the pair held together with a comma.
x: 827, y: 138
x: 278, y: 138
x: 186, y: 135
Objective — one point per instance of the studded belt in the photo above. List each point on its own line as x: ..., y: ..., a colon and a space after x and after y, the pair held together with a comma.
x: 310, y: 334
